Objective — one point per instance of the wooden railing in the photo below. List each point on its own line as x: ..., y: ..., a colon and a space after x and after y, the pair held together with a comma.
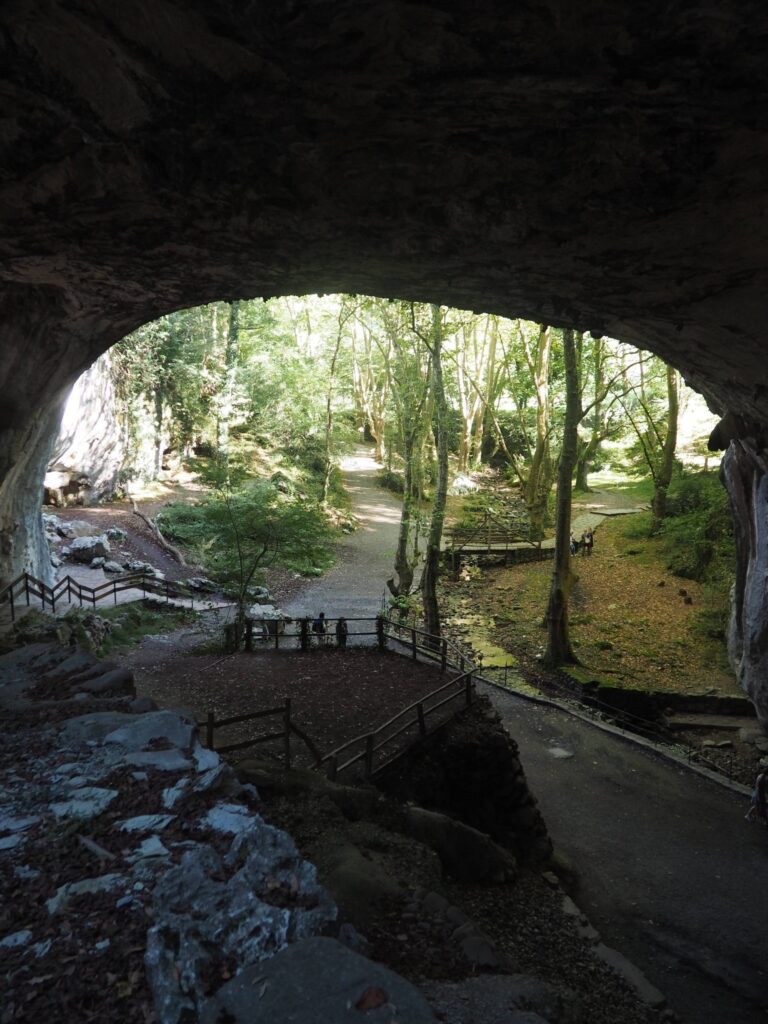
x: 289, y: 728
x: 26, y: 588
x: 490, y: 533
x: 364, y: 749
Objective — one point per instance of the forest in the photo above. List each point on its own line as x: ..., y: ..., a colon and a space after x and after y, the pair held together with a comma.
x: 471, y: 417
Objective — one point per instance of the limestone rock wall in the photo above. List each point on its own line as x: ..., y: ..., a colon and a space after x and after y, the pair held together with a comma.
x: 745, y: 471
x: 90, y: 449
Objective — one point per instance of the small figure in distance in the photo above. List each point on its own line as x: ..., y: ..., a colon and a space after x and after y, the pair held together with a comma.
x: 758, y: 808
x: 587, y: 542
x: 341, y: 632
x: 574, y: 544
x: 319, y: 628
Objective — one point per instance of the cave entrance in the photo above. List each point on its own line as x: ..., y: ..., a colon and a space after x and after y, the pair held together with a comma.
x: 255, y: 382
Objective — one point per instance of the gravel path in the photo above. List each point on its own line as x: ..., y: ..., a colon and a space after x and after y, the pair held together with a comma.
x: 356, y: 585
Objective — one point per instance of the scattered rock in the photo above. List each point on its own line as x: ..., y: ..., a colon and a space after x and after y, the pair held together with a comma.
x: 16, y: 939
x: 113, y: 567
x: 150, y: 847
x: 90, y: 802
x: 97, y: 563
x: 117, y: 533
x: 146, y: 823
x: 102, y: 883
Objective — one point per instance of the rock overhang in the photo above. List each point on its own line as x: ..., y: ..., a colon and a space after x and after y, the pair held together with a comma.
x: 596, y: 167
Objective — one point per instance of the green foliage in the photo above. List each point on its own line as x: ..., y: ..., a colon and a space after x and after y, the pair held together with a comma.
x: 392, y: 480
x: 239, y: 531
x: 698, y: 531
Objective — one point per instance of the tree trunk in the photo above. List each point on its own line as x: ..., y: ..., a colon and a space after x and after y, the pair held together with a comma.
x: 158, y: 425
x: 432, y: 557
x: 227, y: 396
x: 401, y: 585
x: 587, y: 450
x: 559, y: 650
x: 539, y: 479
x: 663, y: 476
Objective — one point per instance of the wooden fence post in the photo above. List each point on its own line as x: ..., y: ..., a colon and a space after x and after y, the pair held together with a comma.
x: 26, y: 587
x: 413, y: 644
x: 13, y: 607
x: 369, y: 755
x: 443, y: 654
x: 210, y: 725
x: 249, y: 634
x: 287, y: 737
x: 422, y: 720
x: 381, y: 638
x: 304, y: 634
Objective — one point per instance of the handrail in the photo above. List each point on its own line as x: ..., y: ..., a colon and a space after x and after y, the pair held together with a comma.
x: 28, y: 586
x: 369, y: 738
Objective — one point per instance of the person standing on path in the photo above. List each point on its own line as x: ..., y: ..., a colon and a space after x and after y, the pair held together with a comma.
x: 587, y: 542
x: 758, y: 809
x: 319, y: 628
x: 341, y: 633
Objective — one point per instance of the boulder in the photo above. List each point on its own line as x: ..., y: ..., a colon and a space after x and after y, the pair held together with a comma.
x: 119, y: 681
x: 97, y: 563
x: 465, y: 853
x: 85, y: 549
x: 317, y: 981
x: 117, y: 534
x: 77, y: 528
x: 236, y: 916
x: 158, y: 725
x: 201, y: 583
x: 94, y: 727
x: 112, y: 567
x: 137, y: 566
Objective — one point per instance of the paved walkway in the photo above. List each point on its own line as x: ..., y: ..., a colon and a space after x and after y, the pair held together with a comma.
x: 357, y: 585
x: 670, y: 873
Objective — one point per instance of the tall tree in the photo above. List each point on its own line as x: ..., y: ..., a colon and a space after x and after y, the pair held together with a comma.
x: 434, y: 538
x: 541, y: 471
x: 559, y: 649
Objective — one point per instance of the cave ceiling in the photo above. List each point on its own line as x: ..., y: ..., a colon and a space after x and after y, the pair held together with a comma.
x: 602, y: 165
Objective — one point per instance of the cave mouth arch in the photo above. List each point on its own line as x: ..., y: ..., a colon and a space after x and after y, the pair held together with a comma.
x: 592, y: 166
